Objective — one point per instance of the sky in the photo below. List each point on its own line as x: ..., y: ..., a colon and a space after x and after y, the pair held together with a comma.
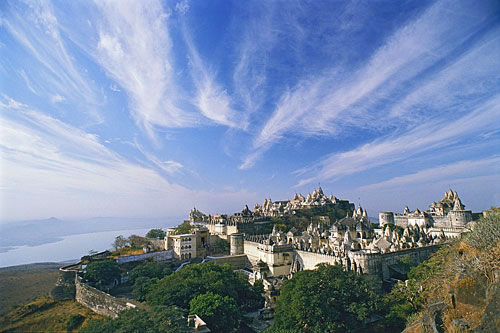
x: 149, y: 108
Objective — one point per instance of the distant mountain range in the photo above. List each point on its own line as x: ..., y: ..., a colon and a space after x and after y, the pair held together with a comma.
x: 37, y: 232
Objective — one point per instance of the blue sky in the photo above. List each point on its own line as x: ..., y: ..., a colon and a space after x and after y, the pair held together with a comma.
x: 147, y: 108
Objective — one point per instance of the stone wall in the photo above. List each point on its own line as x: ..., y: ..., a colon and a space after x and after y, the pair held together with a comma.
x: 237, y: 261
x: 417, y: 255
x: 99, y: 301
x: 65, y: 286
x: 158, y: 244
x: 250, y: 249
x: 309, y: 260
x: 156, y: 256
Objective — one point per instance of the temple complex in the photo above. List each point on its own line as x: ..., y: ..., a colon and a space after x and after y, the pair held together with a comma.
x: 350, y: 240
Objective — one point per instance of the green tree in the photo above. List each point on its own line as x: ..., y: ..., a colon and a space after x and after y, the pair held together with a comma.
x: 193, y: 280
x: 158, y: 319
x: 150, y: 270
x: 486, y: 232
x: 325, y: 300
x: 137, y: 241
x: 220, y: 313
x: 156, y: 233
x: 120, y: 242
x: 142, y: 287
x: 102, y: 272
x: 74, y: 322
x: 183, y: 228
x: 223, y: 244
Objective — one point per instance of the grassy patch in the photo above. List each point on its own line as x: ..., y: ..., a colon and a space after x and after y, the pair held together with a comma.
x: 46, y: 315
x: 21, y: 284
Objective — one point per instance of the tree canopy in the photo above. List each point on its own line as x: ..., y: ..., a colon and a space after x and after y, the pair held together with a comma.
x: 120, y: 242
x: 324, y: 300
x: 156, y: 233
x: 193, y: 280
x: 220, y: 313
x: 158, y: 319
x: 102, y: 272
x: 183, y: 228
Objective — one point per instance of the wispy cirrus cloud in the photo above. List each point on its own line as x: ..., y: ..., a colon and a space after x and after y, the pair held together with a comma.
x: 448, y: 173
x: 135, y: 49
x: 170, y: 167
x: 426, y: 137
x: 211, y: 98
x: 69, y: 171
x: 331, y: 103
x: 35, y: 26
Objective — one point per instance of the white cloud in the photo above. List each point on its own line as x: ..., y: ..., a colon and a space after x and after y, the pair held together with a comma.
x: 170, y: 167
x: 426, y: 137
x: 56, y: 99
x: 182, y: 7
x: 337, y: 100
x: 448, y: 173
x: 135, y: 48
x: 114, y: 87
x: 35, y: 26
x: 211, y: 99
x: 70, y: 173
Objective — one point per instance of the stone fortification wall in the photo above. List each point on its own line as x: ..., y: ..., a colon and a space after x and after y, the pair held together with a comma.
x: 236, y: 261
x: 417, y: 255
x: 99, y: 301
x: 309, y: 260
x: 158, y: 244
x: 156, y: 256
x: 65, y: 286
x: 401, y: 221
x: 250, y: 249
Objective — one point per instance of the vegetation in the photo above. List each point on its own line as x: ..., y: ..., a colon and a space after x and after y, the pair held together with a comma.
x: 120, y: 242
x: 137, y: 242
x: 150, y: 270
x: 325, y: 300
x: 102, y: 272
x: 158, y: 319
x: 183, y: 228
x: 44, y: 315
x: 486, y: 233
x: 220, y: 313
x: 21, y: 284
x: 208, y: 290
x: 156, y: 233
x: 222, y: 244
x: 74, y: 322
x: 193, y: 280
x: 465, y: 267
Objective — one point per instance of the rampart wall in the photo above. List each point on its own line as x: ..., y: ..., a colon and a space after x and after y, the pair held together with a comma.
x: 99, y: 301
x: 70, y: 286
x: 417, y: 255
x: 309, y: 260
x: 156, y: 256
x: 237, y: 261
x: 251, y: 250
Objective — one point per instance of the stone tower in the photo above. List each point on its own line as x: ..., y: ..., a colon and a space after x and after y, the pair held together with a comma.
x: 236, y: 241
x: 385, y: 218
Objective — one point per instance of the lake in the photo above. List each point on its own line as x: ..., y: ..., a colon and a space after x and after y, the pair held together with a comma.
x: 68, y: 248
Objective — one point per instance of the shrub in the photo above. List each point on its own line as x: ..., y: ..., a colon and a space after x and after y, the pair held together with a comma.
x: 486, y: 232
x: 74, y: 322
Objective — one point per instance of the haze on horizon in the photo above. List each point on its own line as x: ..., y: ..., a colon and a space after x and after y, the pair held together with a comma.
x: 148, y: 108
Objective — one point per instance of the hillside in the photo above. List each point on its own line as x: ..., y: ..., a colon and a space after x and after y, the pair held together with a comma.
x: 21, y: 284
x: 457, y: 289
x: 45, y: 315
